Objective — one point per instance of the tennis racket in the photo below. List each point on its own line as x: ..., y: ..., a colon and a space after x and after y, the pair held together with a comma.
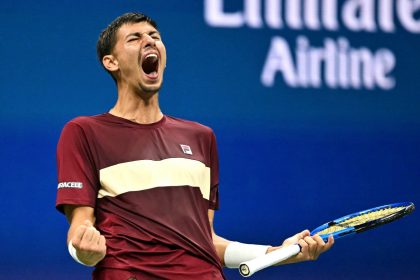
x: 344, y: 226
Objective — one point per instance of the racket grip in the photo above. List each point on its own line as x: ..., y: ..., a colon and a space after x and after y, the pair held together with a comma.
x: 248, y: 268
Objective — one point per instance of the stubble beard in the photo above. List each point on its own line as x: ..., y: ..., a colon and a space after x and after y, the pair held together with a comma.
x: 150, y: 90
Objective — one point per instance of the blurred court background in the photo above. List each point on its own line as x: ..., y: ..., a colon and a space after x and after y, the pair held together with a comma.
x: 315, y: 104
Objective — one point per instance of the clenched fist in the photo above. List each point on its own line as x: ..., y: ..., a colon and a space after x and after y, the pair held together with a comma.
x: 89, y: 244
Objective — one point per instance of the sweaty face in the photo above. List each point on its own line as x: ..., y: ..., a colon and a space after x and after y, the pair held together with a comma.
x: 141, y: 57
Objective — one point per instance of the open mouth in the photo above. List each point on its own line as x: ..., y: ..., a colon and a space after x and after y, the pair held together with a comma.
x: 150, y: 65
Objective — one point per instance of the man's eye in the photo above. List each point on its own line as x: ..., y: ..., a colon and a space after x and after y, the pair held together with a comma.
x: 133, y: 39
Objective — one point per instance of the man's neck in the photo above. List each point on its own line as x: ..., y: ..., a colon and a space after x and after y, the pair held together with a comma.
x: 140, y: 108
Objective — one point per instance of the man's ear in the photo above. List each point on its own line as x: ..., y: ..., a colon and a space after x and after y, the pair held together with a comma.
x: 110, y: 63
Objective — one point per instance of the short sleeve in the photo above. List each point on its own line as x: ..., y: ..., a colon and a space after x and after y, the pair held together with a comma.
x: 214, y: 175
x: 78, y: 181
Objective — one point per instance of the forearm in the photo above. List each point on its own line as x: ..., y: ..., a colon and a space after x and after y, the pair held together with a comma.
x: 220, y: 244
x: 231, y: 254
x: 86, y: 245
x: 77, y: 216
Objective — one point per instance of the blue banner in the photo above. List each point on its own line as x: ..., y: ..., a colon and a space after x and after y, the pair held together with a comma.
x: 315, y: 105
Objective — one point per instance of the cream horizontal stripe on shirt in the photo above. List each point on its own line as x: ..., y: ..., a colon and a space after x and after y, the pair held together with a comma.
x: 147, y: 174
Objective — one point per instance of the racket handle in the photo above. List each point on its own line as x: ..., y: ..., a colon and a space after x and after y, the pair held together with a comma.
x: 248, y: 268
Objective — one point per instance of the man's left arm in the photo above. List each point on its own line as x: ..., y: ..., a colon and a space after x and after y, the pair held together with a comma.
x: 219, y: 242
x: 311, y: 246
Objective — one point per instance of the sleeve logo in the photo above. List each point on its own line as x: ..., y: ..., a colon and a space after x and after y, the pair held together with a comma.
x: 74, y: 185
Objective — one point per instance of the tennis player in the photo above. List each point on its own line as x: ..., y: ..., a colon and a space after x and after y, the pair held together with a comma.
x: 139, y: 188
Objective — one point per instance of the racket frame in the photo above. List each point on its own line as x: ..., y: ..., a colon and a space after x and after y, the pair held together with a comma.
x: 408, y: 208
x: 248, y: 268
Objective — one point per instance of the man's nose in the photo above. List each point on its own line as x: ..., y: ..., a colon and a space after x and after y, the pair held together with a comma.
x: 148, y: 41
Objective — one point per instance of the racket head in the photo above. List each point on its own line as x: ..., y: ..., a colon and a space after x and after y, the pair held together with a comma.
x: 364, y: 220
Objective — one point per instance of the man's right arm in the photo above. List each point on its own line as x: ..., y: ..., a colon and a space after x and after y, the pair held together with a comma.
x: 86, y: 239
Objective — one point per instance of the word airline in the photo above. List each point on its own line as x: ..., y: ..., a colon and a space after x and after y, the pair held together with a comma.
x: 336, y: 63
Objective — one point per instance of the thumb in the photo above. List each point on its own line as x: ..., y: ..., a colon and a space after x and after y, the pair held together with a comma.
x: 88, y: 223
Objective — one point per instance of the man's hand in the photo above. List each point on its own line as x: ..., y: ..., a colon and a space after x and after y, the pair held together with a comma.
x: 311, y: 247
x: 89, y: 244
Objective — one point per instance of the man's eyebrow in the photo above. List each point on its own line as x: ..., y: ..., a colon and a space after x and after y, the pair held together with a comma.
x: 138, y: 34
x: 154, y: 32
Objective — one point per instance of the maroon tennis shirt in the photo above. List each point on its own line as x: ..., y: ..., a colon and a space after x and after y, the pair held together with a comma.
x: 151, y: 187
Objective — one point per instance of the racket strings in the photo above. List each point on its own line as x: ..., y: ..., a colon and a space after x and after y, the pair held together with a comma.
x: 361, y: 219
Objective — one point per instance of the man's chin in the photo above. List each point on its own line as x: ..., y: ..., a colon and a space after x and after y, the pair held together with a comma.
x: 151, y: 89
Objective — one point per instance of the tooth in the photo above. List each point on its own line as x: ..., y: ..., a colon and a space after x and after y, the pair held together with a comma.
x: 151, y: 55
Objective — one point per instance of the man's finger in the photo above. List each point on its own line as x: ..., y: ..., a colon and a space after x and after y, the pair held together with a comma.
x: 102, y: 242
x: 88, y: 223
x: 95, y: 237
x: 329, y: 244
x: 88, y: 236
x: 310, y: 241
x: 313, y: 247
x: 80, y: 231
x: 304, y: 233
x: 318, y: 239
x: 303, y: 246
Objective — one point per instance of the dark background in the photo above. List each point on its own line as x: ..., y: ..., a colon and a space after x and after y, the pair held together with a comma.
x: 290, y: 159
